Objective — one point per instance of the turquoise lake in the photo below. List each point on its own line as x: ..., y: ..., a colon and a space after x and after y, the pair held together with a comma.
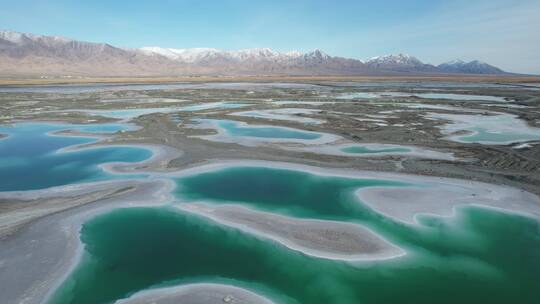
x: 233, y: 128
x: 30, y: 157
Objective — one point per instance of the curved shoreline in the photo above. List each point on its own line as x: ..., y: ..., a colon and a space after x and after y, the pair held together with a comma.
x: 253, y: 141
x: 162, y: 193
x: 491, y: 195
x: 56, y: 237
x: 348, y: 241
x: 491, y: 190
x: 464, y: 123
x: 414, y: 152
x: 327, y: 144
x: 196, y: 293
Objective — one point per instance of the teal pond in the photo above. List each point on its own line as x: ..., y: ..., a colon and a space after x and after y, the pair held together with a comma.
x: 240, y: 132
x: 32, y: 157
x: 478, y: 255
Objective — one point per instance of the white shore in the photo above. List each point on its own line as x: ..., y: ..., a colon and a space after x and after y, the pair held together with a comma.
x: 328, y: 144
x: 252, y: 141
x: 319, y: 238
x: 425, y: 195
x: 201, y: 293
x: 31, y: 279
x: 414, y: 152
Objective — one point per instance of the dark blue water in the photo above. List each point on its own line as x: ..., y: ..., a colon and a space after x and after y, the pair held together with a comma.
x: 31, y: 158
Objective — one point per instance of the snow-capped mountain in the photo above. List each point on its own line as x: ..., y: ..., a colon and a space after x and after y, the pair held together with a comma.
x: 472, y: 67
x: 29, y: 54
x: 400, y: 62
x: 400, y: 59
x: 184, y: 55
x: 22, y: 38
x: 196, y: 55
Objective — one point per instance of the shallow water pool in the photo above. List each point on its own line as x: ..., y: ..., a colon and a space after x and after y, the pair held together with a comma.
x: 33, y: 158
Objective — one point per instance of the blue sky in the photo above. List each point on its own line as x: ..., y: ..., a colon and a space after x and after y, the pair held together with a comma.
x: 502, y: 32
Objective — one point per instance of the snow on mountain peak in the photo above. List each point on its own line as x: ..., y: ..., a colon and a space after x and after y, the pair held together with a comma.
x: 294, y: 54
x: 17, y: 46
x: 455, y: 62
x: 394, y: 59
x: 186, y: 55
x: 478, y: 62
x: 18, y: 37
x: 320, y: 54
x: 196, y: 54
x: 14, y: 37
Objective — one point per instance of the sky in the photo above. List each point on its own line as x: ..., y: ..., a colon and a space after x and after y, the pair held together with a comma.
x: 505, y: 33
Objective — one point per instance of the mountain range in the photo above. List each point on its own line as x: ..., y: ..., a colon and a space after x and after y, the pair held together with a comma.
x: 23, y: 54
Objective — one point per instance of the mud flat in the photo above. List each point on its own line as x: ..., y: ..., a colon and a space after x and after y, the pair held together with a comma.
x: 326, y: 239
x: 196, y: 294
x: 287, y: 114
x: 128, y: 114
x: 145, y: 100
x: 446, y: 96
x: 494, y: 129
x: 376, y: 150
x: 22, y: 207
x: 29, y: 277
x: 405, y: 204
x: 213, y: 105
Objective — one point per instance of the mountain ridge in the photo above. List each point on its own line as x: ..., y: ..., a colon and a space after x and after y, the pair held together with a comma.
x: 31, y: 54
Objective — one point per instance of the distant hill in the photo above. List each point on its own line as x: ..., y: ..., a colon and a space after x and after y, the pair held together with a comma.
x: 472, y: 67
x: 29, y: 54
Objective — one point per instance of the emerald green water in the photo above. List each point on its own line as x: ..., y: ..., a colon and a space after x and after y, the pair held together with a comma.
x: 477, y: 256
x: 133, y: 249
x: 283, y: 191
x: 362, y: 150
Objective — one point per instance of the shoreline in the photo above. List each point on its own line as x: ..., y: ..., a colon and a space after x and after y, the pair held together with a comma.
x: 414, y: 151
x: 56, y: 235
x: 162, y: 194
x: 196, y: 293
x: 255, y: 227
x: 494, y: 195
x: 199, y: 155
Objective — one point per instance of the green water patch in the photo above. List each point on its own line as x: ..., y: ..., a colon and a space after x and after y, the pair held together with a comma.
x: 307, y: 195
x: 489, y: 257
x: 364, y: 150
x: 289, y: 192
